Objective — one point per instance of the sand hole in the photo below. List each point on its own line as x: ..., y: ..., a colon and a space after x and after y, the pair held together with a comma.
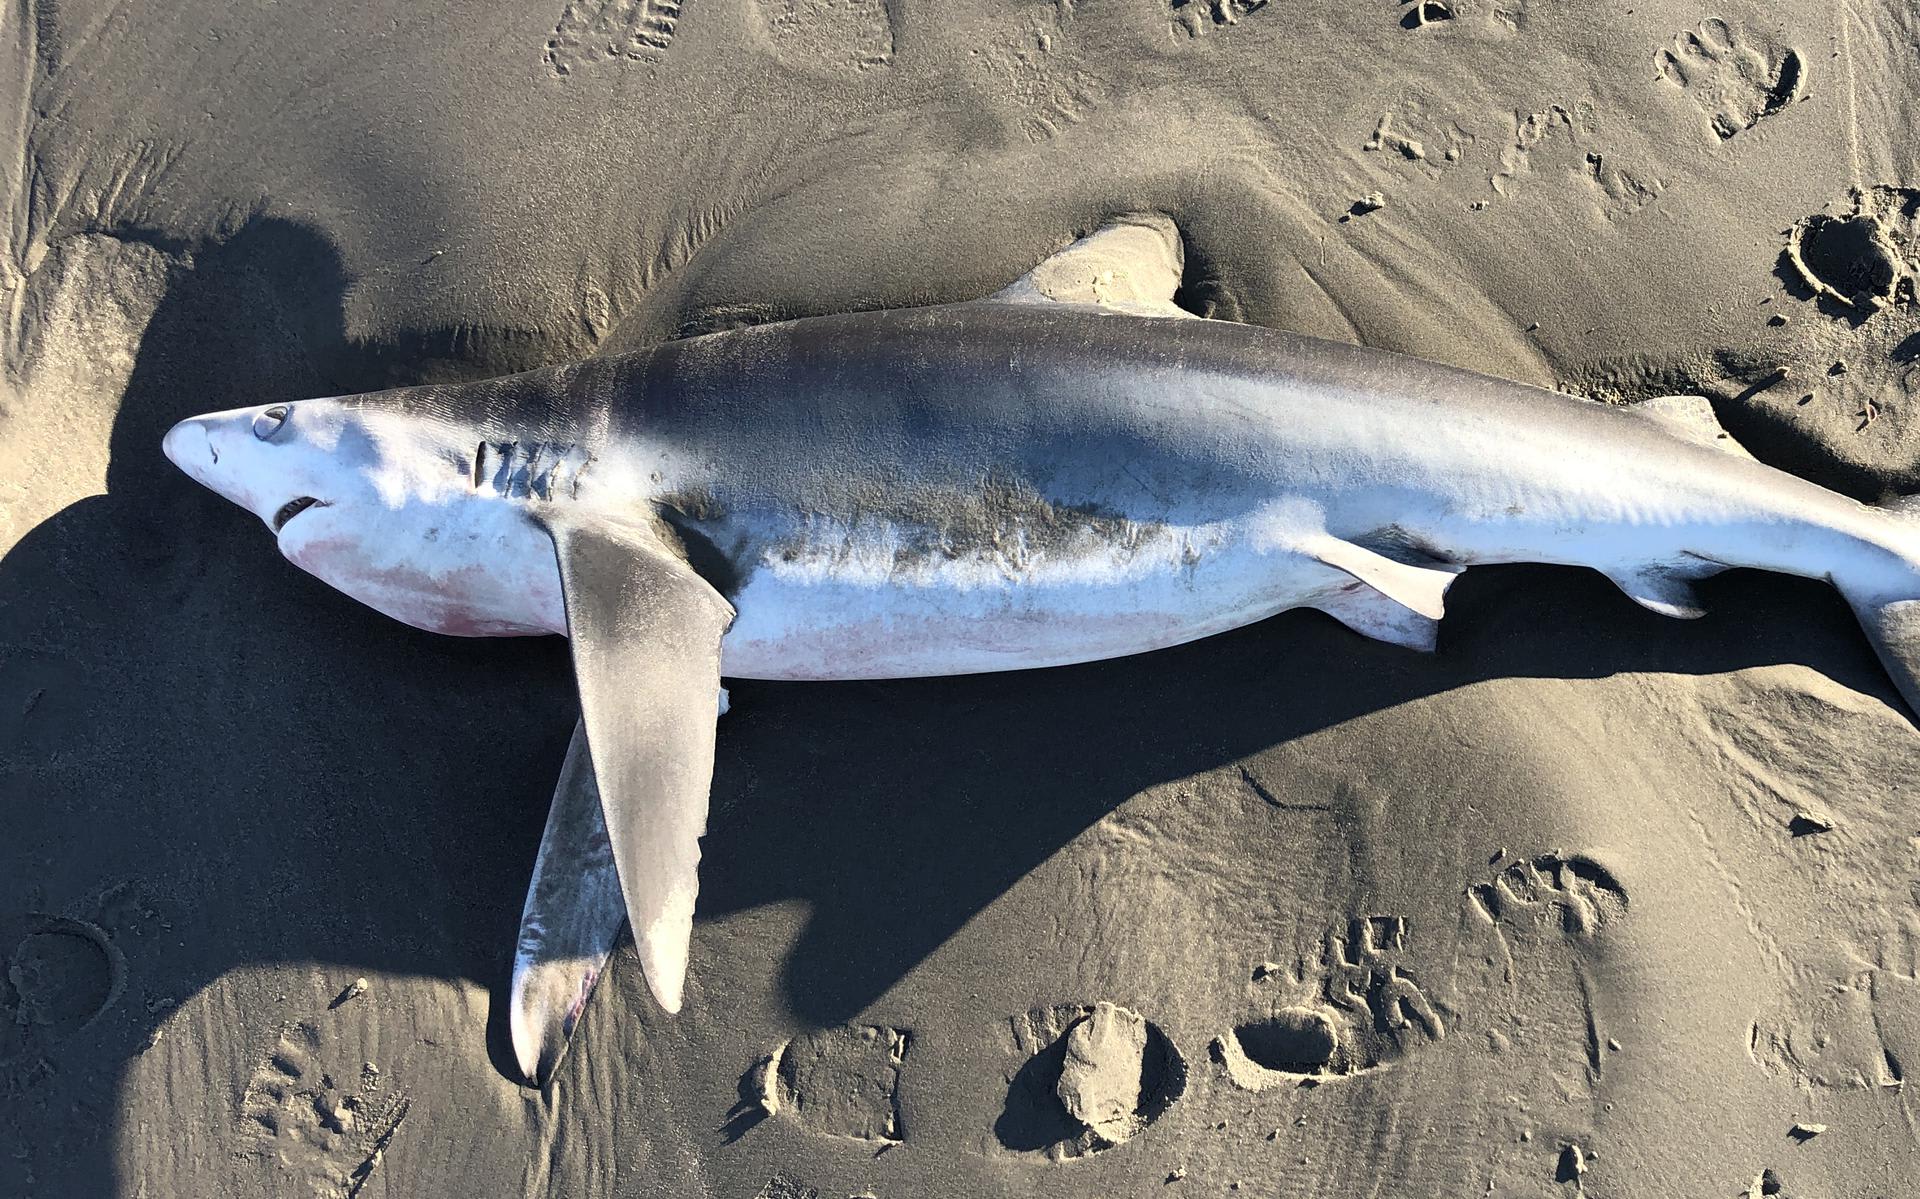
x: 61, y: 975
x: 1294, y: 1040
x: 1848, y: 259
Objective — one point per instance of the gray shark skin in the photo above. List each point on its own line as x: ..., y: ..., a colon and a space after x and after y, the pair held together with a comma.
x: 1068, y: 471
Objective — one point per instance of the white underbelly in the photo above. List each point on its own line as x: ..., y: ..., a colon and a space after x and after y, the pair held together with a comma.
x: 823, y: 624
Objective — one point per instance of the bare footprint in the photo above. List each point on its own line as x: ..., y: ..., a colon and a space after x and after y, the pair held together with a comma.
x: 1737, y: 81
x: 1093, y: 1079
x: 326, y: 1127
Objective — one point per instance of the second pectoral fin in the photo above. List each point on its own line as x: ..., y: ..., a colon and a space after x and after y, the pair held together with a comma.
x: 645, y: 630
x: 569, y: 924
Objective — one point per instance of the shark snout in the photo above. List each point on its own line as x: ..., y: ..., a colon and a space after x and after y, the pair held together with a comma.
x: 189, y: 446
x: 210, y: 451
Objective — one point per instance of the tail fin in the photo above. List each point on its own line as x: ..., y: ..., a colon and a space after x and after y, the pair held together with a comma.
x: 1894, y: 630
x: 1892, y: 621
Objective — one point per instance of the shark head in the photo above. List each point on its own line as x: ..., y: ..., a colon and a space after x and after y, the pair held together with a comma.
x: 388, y: 502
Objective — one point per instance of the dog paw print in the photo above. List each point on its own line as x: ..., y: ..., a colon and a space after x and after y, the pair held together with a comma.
x: 1360, y: 1008
x: 1736, y: 81
x: 328, y: 1129
x: 1577, y: 893
x: 1195, y: 18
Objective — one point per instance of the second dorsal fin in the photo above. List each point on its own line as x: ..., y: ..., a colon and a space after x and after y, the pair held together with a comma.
x: 1131, y: 264
x: 1691, y: 418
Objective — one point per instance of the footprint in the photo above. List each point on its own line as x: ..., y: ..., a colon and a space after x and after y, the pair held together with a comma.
x: 1501, y: 16
x: 1565, y: 137
x: 1735, y: 80
x: 1359, y: 1009
x: 840, y: 1081
x: 596, y: 31
x: 1862, y: 260
x: 1051, y: 95
x: 1093, y: 1079
x: 1196, y: 17
x: 1420, y: 132
x: 1538, y: 918
x: 837, y: 34
x: 1423, y: 13
x: 329, y: 1128
x: 59, y: 976
x: 1581, y: 892
x: 1297, y: 1041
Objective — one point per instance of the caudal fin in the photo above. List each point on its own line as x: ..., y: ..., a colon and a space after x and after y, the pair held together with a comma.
x: 1891, y: 616
x: 1894, y: 630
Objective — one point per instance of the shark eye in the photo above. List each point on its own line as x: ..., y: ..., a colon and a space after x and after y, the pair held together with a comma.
x: 269, y: 421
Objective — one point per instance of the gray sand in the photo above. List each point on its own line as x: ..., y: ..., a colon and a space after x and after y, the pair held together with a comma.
x: 1590, y: 902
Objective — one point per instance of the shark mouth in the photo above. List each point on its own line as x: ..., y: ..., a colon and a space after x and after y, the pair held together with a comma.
x: 293, y: 508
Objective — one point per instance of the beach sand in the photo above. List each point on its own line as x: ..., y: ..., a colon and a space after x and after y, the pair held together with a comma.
x: 1588, y: 903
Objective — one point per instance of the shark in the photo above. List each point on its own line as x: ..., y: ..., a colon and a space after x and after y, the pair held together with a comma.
x: 1074, y: 468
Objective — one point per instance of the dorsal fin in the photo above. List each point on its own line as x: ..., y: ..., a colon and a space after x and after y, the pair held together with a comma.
x: 1691, y: 418
x: 1131, y: 264
x: 1906, y: 507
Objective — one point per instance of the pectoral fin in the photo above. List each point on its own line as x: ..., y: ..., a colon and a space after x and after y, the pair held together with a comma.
x: 571, y: 920
x: 646, y: 632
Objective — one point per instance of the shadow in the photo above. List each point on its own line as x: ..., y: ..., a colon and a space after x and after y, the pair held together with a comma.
x: 898, y: 810
x: 222, y: 762
x: 214, y: 757
x: 751, y: 1109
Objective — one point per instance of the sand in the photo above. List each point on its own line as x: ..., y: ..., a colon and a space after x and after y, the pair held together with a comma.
x: 1588, y: 903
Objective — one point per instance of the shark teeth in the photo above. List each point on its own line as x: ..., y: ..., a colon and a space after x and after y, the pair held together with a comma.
x: 291, y: 509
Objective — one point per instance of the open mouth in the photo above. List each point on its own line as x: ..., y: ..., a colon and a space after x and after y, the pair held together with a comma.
x: 293, y: 508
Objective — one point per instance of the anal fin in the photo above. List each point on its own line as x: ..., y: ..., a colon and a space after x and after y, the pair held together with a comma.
x: 1420, y: 589
x: 1664, y: 588
x: 1371, y: 614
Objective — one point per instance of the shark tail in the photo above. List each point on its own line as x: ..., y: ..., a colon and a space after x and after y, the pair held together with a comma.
x: 1890, y: 615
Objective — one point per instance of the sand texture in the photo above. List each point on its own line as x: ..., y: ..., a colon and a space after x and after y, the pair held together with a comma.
x: 1588, y: 903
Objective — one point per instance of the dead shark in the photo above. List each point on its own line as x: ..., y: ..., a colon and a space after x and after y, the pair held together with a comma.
x: 1073, y: 469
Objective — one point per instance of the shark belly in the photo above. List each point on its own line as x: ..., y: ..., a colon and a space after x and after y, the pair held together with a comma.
x: 864, y: 613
